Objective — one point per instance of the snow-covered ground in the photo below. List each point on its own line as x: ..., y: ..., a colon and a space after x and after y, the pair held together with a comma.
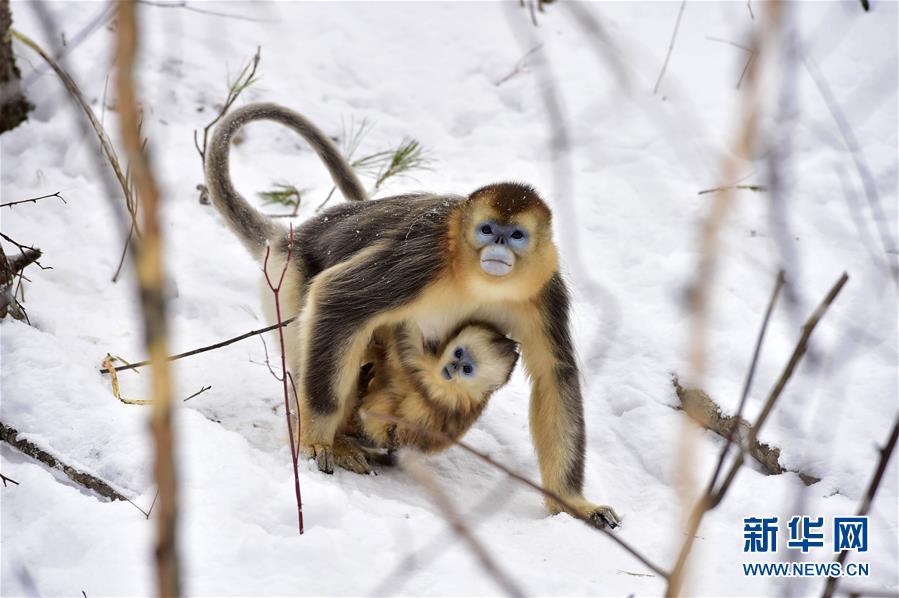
x: 627, y: 221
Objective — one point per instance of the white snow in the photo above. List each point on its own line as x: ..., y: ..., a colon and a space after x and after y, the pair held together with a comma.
x: 627, y: 223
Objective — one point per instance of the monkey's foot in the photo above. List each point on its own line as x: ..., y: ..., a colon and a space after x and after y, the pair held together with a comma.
x: 323, y: 455
x: 350, y: 455
x: 345, y: 452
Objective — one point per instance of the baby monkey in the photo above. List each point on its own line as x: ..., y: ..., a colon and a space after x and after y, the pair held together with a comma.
x: 438, y: 388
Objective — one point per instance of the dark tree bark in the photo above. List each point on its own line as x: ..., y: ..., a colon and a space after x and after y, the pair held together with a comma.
x: 14, y: 106
x: 6, y: 278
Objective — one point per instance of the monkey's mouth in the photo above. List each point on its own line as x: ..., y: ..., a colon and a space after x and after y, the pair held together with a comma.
x: 497, y: 260
x: 496, y: 267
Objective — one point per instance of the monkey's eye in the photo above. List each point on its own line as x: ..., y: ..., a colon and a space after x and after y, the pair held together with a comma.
x: 517, y: 234
x: 487, y: 229
x: 458, y: 353
x: 467, y: 369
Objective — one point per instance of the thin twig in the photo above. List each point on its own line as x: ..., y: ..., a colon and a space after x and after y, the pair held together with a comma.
x: 118, y: 270
x: 520, y: 65
x: 795, y: 358
x: 680, y: 13
x: 756, y: 188
x: 527, y: 482
x: 415, y: 468
x: 6, y: 479
x: 267, y: 362
x: 199, y: 392
x: 245, y: 78
x: 183, y: 4
x: 713, y: 497
x: 150, y: 510
x: 885, y: 454
x: 219, y: 345
x: 102, y: 137
x: 33, y: 200
x: 294, y: 440
x: 704, y: 504
x: 747, y: 385
x: 749, y: 60
x: 27, y: 251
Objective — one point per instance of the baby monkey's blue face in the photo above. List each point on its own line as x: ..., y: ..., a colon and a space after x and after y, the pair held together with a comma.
x: 461, y: 363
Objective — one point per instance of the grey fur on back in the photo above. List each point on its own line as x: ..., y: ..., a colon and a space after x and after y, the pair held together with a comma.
x: 252, y: 228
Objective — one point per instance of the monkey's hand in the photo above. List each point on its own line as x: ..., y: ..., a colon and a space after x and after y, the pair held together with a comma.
x: 346, y: 452
x: 597, y: 515
x: 604, y: 516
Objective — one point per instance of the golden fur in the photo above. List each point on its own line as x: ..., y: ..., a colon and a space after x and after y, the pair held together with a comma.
x: 408, y: 385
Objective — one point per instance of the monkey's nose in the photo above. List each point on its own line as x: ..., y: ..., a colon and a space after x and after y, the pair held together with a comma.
x: 501, y: 240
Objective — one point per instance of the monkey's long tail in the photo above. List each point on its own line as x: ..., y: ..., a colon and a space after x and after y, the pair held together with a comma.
x: 254, y: 229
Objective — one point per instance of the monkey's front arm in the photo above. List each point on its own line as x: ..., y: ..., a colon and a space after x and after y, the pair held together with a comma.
x: 556, y: 410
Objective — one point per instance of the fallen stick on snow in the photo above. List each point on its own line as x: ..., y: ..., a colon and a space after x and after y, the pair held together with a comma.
x: 85, y: 480
x: 705, y: 412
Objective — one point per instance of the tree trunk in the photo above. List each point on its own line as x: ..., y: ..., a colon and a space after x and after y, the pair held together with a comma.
x: 14, y: 106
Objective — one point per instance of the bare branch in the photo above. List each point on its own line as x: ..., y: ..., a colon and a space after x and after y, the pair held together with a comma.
x: 219, y: 345
x: 32, y: 200
x: 885, y: 454
x: 102, y: 137
x: 294, y: 440
x: 712, y: 497
x: 6, y: 479
x: 199, y: 392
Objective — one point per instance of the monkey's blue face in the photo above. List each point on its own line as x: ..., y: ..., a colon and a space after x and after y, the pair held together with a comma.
x: 461, y: 364
x: 499, y: 245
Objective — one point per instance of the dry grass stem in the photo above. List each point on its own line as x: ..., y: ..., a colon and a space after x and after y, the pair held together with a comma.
x: 150, y: 276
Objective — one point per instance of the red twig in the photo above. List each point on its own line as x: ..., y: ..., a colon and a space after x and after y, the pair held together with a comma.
x: 294, y: 442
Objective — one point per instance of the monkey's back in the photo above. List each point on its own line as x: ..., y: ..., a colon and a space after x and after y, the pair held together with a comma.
x: 403, y: 223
